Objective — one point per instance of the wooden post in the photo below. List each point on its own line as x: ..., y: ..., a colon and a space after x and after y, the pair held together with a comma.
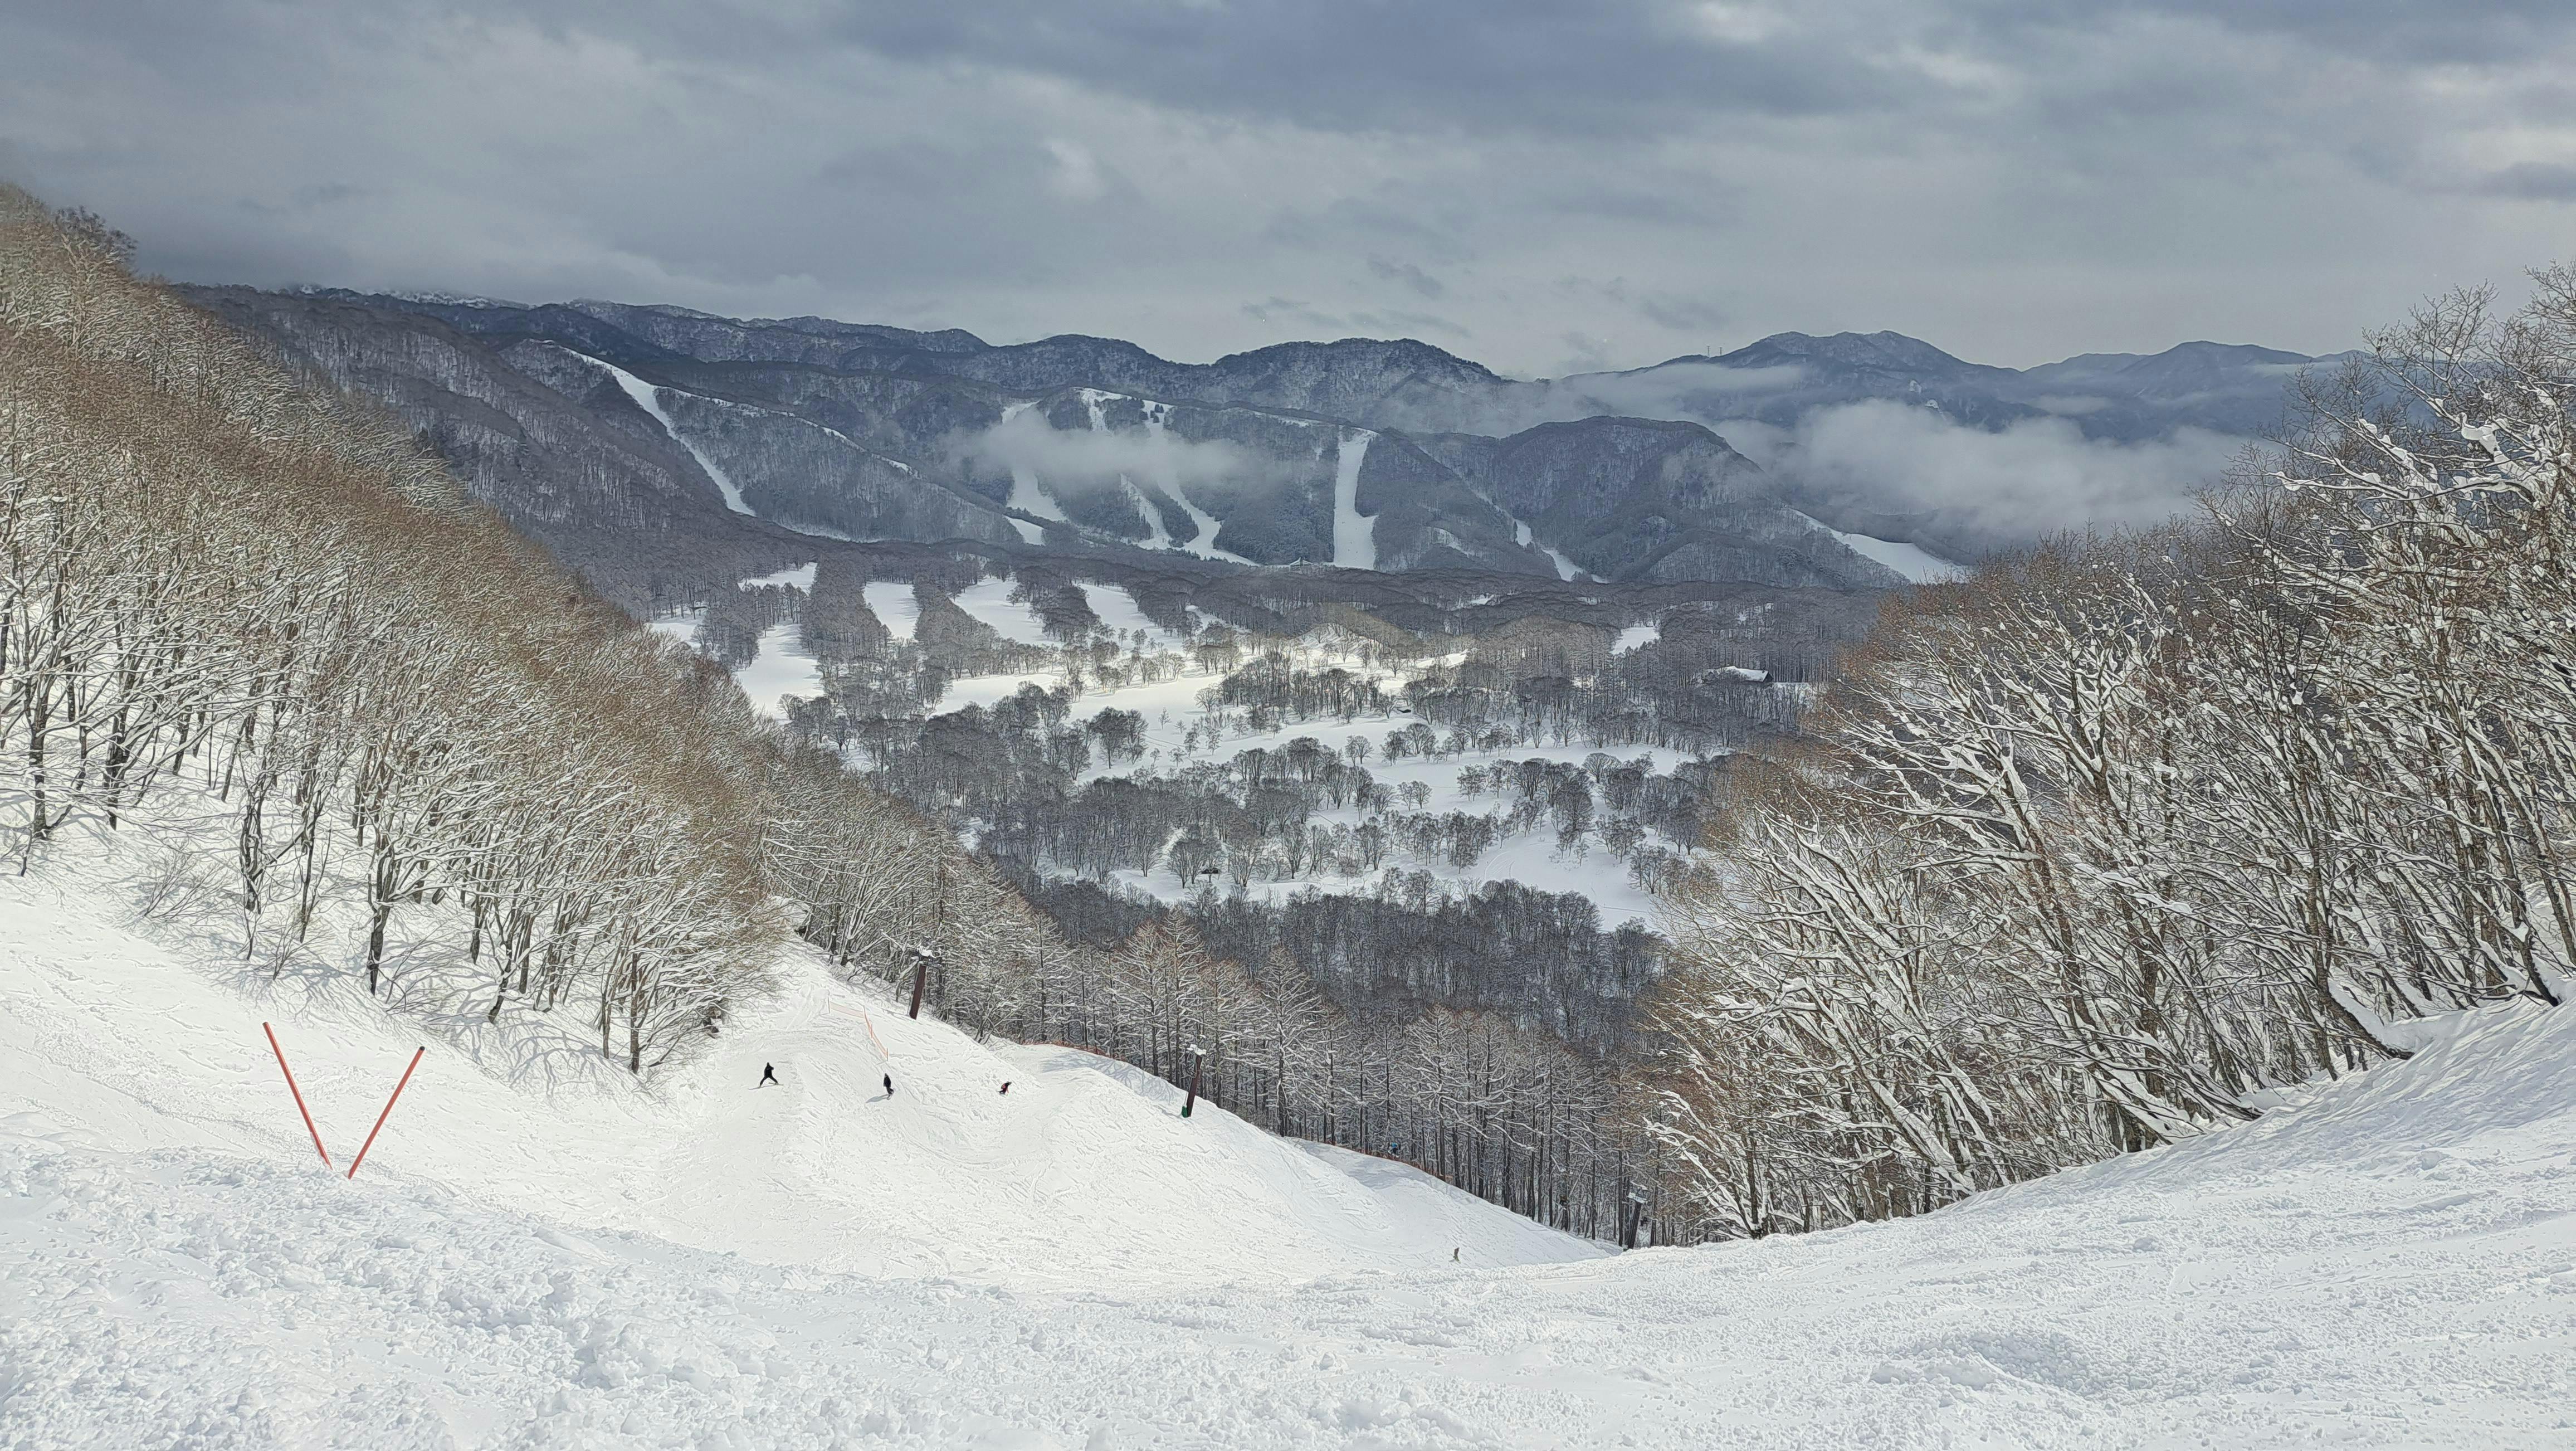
x: 1198, y: 1062
x: 920, y: 976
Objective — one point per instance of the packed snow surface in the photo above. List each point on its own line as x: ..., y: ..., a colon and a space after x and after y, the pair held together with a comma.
x: 990, y: 601
x: 682, y: 627
x: 1156, y: 536
x: 1354, y: 534
x: 648, y: 399
x: 1083, y: 1175
x: 1117, y: 608
x: 783, y: 668
x: 1917, y: 564
x: 1565, y: 568
x: 1027, y: 494
x: 2391, y: 1262
x: 893, y: 603
x: 1029, y: 497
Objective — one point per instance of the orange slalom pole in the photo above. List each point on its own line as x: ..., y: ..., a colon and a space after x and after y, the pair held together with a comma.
x: 299, y: 1096
x: 388, y: 1113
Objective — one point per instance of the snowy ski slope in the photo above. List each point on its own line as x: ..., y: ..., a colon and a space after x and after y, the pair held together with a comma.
x: 649, y: 398
x: 1076, y: 1177
x: 2391, y: 1263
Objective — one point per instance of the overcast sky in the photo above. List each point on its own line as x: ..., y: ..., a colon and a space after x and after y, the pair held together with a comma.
x: 1542, y: 187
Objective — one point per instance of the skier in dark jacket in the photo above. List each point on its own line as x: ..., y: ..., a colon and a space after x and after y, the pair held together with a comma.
x: 768, y: 1076
x: 889, y: 1078
x: 1006, y: 1085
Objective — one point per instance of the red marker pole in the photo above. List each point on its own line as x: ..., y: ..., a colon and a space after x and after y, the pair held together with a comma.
x: 388, y: 1113
x: 299, y: 1096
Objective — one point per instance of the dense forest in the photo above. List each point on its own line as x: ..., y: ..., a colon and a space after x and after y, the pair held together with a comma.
x: 383, y: 734
x: 2121, y: 839
x: 1227, y: 794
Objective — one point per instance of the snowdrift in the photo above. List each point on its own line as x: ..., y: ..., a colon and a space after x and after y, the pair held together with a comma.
x: 2391, y: 1262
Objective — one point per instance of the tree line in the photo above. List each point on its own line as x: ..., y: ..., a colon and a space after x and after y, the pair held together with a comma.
x: 239, y: 609
x: 2100, y: 849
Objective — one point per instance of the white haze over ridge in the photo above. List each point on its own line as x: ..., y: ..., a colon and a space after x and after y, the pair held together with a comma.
x: 1025, y: 442
x: 2035, y: 476
x: 1692, y: 392
x: 2032, y: 477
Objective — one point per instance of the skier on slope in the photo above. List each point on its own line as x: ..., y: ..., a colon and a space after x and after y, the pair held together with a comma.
x: 768, y: 1076
x: 889, y: 1080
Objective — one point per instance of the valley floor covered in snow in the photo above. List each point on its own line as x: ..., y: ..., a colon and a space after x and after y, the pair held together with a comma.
x: 536, y: 1254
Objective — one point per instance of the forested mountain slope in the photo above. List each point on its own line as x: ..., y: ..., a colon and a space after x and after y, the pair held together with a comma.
x: 1072, y: 445
x: 1359, y: 453
x: 2111, y: 844
x: 369, y: 737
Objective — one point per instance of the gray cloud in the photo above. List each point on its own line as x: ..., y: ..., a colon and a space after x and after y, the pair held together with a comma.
x: 2532, y: 180
x: 2015, y: 180
x: 1690, y: 392
x: 1674, y: 390
x: 1406, y: 274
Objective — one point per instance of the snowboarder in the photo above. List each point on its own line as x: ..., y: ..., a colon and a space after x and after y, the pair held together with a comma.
x: 1453, y: 1256
x: 889, y: 1078
x: 1006, y: 1087
x: 768, y: 1076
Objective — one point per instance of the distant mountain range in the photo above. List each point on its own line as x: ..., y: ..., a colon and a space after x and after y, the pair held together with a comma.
x: 650, y: 439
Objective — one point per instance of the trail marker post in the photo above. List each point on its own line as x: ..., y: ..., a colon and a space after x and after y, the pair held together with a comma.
x: 388, y: 1113
x: 1198, y: 1062
x: 920, y: 976
x: 299, y: 1097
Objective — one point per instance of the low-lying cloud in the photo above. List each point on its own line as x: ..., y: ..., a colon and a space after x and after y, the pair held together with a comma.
x: 1695, y: 392
x: 1692, y: 392
x: 1080, y: 459
x: 2035, y: 477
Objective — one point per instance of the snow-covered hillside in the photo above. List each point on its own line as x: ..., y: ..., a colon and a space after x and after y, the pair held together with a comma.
x: 1178, y: 731
x: 1106, y: 653
x: 1076, y: 1176
x: 2392, y: 1263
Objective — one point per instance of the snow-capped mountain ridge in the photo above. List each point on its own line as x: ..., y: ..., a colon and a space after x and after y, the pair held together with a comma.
x: 1616, y: 510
